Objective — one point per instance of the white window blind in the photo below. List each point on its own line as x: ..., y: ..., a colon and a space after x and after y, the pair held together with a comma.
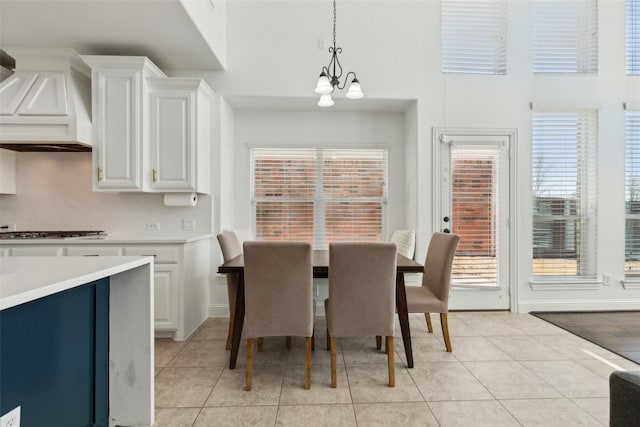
x: 474, y: 36
x: 632, y: 195
x: 474, y: 194
x: 632, y: 32
x: 565, y: 36
x: 319, y: 195
x: 564, y: 176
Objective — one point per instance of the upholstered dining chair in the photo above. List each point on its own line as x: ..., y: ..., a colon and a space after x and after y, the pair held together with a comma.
x: 405, y: 241
x: 433, y: 295
x: 278, y: 289
x: 362, y: 295
x: 231, y: 248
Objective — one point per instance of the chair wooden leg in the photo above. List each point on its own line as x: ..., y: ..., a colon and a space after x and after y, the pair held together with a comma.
x: 249, y: 374
x: 445, y: 331
x: 230, y: 333
x: 378, y: 342
x: 427, y: 317
x: 307, y: 370
x: 260, y: 344
x: 390, y: 362
x: 288, y: 343
x: 332, y: 345
x: 328, y: 343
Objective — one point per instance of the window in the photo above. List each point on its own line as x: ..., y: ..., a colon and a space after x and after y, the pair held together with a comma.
x: 632, y: 195
x: 632, y: 31
x: 564, y: 174
x: 565, y: 36
x: 319, y: 195
x: 474, y: 36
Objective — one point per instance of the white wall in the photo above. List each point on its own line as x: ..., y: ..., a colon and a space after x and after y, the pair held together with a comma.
x: 395, y: 48
x: 54, y: 193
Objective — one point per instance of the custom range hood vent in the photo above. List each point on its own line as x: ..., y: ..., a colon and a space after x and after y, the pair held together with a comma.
x: 45, y: 105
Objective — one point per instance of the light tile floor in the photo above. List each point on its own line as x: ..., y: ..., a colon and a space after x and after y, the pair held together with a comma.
x: 506, y: 369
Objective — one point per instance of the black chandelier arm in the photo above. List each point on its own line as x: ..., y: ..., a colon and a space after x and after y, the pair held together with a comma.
x: 346, y: 80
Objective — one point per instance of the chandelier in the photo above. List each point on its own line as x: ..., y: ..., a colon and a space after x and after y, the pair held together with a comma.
x: 331, y: 74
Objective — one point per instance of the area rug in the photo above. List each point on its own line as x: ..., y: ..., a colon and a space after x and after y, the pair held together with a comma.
x: 617, y: 331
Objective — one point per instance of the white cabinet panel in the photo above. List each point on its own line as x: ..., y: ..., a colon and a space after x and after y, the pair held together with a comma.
x: 180, y: 134
x: 36, y: 251
x: 94, y: 251
x: 162, y: 254
x: 165, y: 297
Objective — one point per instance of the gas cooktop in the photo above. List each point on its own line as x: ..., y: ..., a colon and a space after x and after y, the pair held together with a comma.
x: 67, y: 234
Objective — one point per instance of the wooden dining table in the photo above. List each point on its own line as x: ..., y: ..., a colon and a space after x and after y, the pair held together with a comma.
x: 321, y: 270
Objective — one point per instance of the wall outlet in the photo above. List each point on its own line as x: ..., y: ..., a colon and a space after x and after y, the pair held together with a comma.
x: 188, y: 224
x: 11, y: 418
x: 606, y: 279
x: 153, y: 226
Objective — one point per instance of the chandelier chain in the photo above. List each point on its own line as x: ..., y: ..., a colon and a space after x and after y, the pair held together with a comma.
x: 334, y: 23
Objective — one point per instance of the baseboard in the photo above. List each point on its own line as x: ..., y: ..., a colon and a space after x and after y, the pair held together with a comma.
x: 582, y: 305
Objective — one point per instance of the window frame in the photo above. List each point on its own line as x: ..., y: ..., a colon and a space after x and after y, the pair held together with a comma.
x: 320, y: 199
x: 586, y: 174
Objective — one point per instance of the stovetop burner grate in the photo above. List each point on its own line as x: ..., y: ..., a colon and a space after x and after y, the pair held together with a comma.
x: 49, y: 234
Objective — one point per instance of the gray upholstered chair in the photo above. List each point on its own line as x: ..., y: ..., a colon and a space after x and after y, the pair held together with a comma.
x: 231, y: 248
x: 278, y: 281
x: 433, y: 295
x: 362, y: 295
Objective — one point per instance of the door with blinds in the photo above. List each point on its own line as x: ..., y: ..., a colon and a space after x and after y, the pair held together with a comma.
x: 475, y: 204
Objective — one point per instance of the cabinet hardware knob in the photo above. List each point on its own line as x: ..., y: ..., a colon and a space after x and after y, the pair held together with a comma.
x: 99, y: 174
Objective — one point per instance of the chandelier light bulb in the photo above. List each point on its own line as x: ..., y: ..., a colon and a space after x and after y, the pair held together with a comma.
x: 354, y: 92
x: 324, y: 85
x: 325, y: 100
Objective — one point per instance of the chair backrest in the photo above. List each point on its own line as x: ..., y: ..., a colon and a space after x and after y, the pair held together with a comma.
x: 278, y: 281
x: 437, y: 266
x: 405, y: 241
x: 362, y: 289
x: 229, y: 245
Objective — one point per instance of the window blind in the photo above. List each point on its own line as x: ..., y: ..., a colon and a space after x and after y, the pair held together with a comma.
x: 564, y: 176
x: 632, y: 32
x: 474, y: 36
x: 565, y: 36
x: 632, y: 194
x: 474, y: 192
x: 319, y: 195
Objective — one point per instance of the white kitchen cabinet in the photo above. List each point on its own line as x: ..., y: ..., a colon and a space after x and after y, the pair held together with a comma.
x: 166, y: 313
x: 120, y: 111
x: 180, y: 134
x: 7, y: 171
x: 181, y: 276
x: 36, y: 250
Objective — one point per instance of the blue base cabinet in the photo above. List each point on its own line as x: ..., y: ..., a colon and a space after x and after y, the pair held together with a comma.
x: 54, y: 358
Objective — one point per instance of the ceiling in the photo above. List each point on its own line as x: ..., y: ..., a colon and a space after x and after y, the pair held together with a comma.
x: 159, y: 29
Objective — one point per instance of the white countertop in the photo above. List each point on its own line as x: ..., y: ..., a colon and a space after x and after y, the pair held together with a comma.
x: 24, y: 279
x: 148, y: 238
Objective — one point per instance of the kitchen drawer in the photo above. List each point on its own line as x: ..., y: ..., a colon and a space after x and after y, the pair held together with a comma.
x: 163, y: 255
x: 94, y: 250
x: 36, y: 251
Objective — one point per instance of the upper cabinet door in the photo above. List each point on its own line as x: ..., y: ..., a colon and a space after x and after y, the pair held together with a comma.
x: 180, y: 135
x: 118, y: 128
x: 120, y: 114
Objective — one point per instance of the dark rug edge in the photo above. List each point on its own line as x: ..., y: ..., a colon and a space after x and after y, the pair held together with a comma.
x: 541, y: 314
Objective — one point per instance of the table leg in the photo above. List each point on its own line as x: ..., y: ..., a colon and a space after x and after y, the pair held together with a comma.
x: 238, y: 322
x: 403, y: 316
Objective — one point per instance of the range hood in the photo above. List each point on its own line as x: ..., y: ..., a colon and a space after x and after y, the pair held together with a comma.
x: 45, y: 105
